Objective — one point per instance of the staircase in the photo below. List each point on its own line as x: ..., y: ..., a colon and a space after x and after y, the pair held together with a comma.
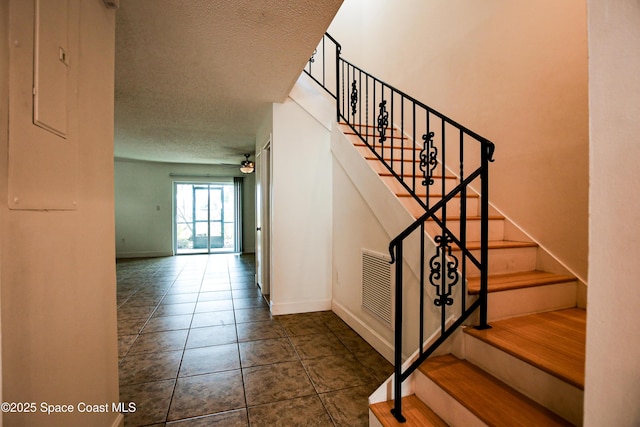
x: 528, y: 369
x: 518, y: 360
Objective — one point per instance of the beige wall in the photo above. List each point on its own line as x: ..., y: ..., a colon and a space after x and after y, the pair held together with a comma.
x: 57, y: 268
x: 144, y: 201
x: 512, y: 71
x: 612, y: 380
x: 4, y: 137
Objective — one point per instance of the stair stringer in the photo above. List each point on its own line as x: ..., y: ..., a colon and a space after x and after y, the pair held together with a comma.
x: 386, y: 207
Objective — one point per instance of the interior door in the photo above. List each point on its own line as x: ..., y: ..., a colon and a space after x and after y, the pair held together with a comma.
x: 263, y: 220
x: 258, y: 196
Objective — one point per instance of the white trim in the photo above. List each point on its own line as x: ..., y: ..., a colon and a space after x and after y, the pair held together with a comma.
x: 278, y: 309
x: 143, y: 254
x: 382, y: 346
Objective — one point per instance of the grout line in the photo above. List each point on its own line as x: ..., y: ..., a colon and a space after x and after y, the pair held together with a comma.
x: 275, y: 319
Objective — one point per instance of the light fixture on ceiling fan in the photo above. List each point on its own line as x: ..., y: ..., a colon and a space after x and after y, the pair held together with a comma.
x: 247, y: 166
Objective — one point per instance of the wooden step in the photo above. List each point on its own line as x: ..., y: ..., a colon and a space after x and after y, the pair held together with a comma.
x: 422, y: 195
x: 373, y: 134
x: 413, y: 409
x: 505, y: 256
x: 408, y: 148
x: 553, y: 341
x: 498, y: 244
x: 488, y: 398
x: 526, y: 279
x: 410, y: 159
x: 473, y: 226
x: 387, y: 158
x: 362, y: 128
x: 397, y: 188
x: 407, y: 173
x: 453, y: 205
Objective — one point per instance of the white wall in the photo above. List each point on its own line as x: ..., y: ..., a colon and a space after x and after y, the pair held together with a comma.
x: 612, y: 384
x: 143, y: 203
x: 514, y: 72
x: 58, y: 284
x: 301, y: 211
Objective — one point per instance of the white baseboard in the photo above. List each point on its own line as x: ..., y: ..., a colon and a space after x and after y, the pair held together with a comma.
x: 382, y: 346
x: 278, y: 309
x: 151, y: 254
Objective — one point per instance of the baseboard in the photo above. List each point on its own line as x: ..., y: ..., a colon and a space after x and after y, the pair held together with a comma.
x: 278, y: 309
x: 119, y: 421
x: 143, y: 254
x: 382, y: 346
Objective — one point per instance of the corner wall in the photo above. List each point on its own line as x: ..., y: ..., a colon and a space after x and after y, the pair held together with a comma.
x: 514, y: 72
x: 612, y: 379
x: 58, y: 284
x: 144, y: 200
x: 301, y: 211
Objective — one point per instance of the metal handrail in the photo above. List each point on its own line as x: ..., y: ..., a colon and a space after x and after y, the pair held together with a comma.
x: 388, y: 121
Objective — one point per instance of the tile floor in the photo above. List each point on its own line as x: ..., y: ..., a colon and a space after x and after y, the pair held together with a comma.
x: 198, y: 347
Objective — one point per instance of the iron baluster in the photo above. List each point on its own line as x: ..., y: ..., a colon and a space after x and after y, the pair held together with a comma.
x: 383, y: 121
x: 397, y: 361
x: 354, y: 98
x: 428, y: 158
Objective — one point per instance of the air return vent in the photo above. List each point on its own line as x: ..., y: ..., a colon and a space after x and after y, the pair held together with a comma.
x: 376, y: 285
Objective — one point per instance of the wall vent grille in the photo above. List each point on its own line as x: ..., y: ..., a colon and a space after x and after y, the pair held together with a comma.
x: 377, y: 285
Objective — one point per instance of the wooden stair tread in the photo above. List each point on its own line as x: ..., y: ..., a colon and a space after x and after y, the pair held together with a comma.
x: 376, y: 136
x: 413, y: 409
x: 470, y: 218
x: 525, y: 279
x: 387, y: 158
x: 439, y: 195
x: 361, y: 144
x: 359, y: 125
x: 488, y: 398
x: 553, y: 341
x: 407, y: 173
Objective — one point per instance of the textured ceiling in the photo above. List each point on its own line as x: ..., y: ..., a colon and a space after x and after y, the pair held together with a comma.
x: 194, y: 79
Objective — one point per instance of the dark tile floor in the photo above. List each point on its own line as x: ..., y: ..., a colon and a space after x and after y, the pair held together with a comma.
x: 199, y: 347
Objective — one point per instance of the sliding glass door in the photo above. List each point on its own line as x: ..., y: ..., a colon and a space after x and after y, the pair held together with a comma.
x: 205, y: 218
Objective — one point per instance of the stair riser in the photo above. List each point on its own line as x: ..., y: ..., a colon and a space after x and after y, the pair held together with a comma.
x: 508, y: 260
x: 377, y: 166
x: 408, y: 155
x: 496, y: 229
x: 395, y: 186
x: 368, y: 130
x: 537, y: 299
x: 453, y: 206
x: 443, y: 404
x: 551, y: 392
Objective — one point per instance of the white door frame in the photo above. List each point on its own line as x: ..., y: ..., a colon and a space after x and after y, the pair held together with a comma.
x: 263, y: 219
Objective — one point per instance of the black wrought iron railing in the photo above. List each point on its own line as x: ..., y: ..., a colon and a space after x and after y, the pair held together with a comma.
x: 443, y: 167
